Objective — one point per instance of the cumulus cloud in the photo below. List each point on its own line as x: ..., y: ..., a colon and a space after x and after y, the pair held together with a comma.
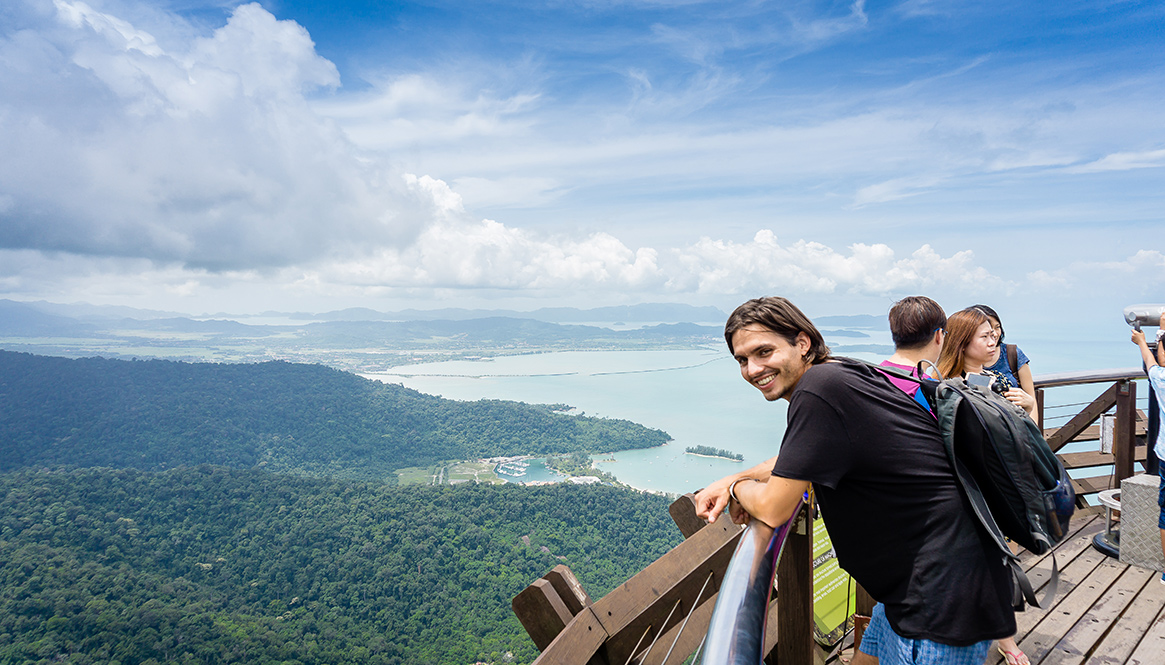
x: 206, y: 153
x: 717, y: 266
x: 460, y: 252
x: 1141, y: 273
x: 456, y: 251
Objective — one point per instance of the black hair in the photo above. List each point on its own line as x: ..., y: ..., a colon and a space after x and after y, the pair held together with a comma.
x: 991, y: 314
x: 913, y: 321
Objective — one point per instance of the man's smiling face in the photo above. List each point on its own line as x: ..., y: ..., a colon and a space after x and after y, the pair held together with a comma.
x: 768, y: 361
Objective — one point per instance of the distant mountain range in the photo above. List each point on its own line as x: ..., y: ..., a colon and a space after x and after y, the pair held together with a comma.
x: 358, y: 327
x: 642, y: 313
x: 364, y: 339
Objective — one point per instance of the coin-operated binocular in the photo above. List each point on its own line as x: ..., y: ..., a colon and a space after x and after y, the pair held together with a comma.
x: 1143, y: 315
x: 1149, y: 315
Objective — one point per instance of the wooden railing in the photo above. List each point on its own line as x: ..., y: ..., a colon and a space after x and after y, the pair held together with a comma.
x: 1129, y: 445
x: 660, y: 616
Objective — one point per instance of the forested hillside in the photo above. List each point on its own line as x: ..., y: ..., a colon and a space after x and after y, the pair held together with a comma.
x: 281, y: 416
x: 213, y: 565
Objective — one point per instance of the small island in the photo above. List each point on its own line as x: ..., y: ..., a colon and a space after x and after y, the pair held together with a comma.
x: 708, y: 451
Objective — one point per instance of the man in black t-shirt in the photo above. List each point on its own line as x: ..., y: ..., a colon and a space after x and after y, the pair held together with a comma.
x: 887, y: 491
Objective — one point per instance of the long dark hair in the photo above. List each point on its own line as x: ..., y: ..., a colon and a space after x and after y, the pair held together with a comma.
x: 783, y: 318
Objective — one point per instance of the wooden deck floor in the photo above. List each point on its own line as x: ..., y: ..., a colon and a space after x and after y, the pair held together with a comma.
x: 1104, y: 611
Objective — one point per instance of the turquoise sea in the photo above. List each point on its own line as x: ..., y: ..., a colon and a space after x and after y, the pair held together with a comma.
x: 698, y: 397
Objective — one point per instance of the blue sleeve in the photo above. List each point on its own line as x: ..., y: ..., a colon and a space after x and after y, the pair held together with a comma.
x: 921, y: 399
x: 1020, y: 357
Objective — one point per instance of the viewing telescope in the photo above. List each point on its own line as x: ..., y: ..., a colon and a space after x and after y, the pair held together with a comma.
x: 1143, y: 315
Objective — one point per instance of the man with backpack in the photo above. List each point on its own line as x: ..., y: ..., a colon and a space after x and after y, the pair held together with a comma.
x: 887, y: 491
x: 1157, y: 379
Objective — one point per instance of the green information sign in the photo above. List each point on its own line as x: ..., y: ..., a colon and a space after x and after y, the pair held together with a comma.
x: 833, y: 591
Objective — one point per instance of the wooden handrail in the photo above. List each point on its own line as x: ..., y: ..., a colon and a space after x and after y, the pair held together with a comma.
x: 618, y: 628
x: 1057, y: 379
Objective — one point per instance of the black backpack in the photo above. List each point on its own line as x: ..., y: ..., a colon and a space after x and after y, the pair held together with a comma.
x: 1016, y: 485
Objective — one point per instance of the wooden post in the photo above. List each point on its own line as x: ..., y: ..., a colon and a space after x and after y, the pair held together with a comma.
x: 683, y: 513
x: 1126, y: 433
x: 1040, y: 407
x: 795, y: 596
x: 546, y: 607
x: 863, y: 608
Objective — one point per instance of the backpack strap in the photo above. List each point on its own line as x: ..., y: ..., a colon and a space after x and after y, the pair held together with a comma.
x: 1013, y: 359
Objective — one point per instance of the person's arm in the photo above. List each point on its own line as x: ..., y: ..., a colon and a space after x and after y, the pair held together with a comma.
x: 1146, y: 355
x: 1027, y: 385
x: 712, y: 500
x: 771, y: 502
x: 1160, y: 346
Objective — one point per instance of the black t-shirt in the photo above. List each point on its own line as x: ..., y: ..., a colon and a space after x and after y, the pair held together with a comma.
x: 891, y: 501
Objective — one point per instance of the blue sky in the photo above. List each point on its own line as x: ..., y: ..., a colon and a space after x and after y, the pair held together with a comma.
x: 211, y: 156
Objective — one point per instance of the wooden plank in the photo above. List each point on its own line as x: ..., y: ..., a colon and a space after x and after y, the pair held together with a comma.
x: 576, y: 645
x: 684, y: 642
x: 683, y: 513
x: 1040, y: 566
x: 640, y: 606
x: 1151, y: 650
x: 1086, y: 417
x: 1089, y: 576
x: 569, y: 589
x: 1084, y: 525
x: 1092, y: 432
x: 1083, y: 519
x: 1131, y: 628
x: 1096, y: 458
x: 1054, y: 379
x: 541, y: 612
x: 1076, y: 647
x: 1091, y: 485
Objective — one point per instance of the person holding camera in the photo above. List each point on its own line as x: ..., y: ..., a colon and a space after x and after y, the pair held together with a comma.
x: 1157, y: 379
x: 971, y: 348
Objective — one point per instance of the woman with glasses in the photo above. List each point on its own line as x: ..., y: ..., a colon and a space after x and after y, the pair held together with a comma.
x: 972, y: 347
x: 1012, y: 362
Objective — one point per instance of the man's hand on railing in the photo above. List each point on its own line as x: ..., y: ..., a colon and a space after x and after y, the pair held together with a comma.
x: 713, y: 499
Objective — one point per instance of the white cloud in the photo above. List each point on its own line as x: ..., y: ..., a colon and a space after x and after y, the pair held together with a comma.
x: 764, y: 265
x: 892, y: 190
x: 1122, y: 161
x: 206, y: 154
x: 458, y: 252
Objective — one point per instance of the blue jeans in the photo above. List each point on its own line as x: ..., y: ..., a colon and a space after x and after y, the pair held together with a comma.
x: 1161, y: 494
x: 889, y: 648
